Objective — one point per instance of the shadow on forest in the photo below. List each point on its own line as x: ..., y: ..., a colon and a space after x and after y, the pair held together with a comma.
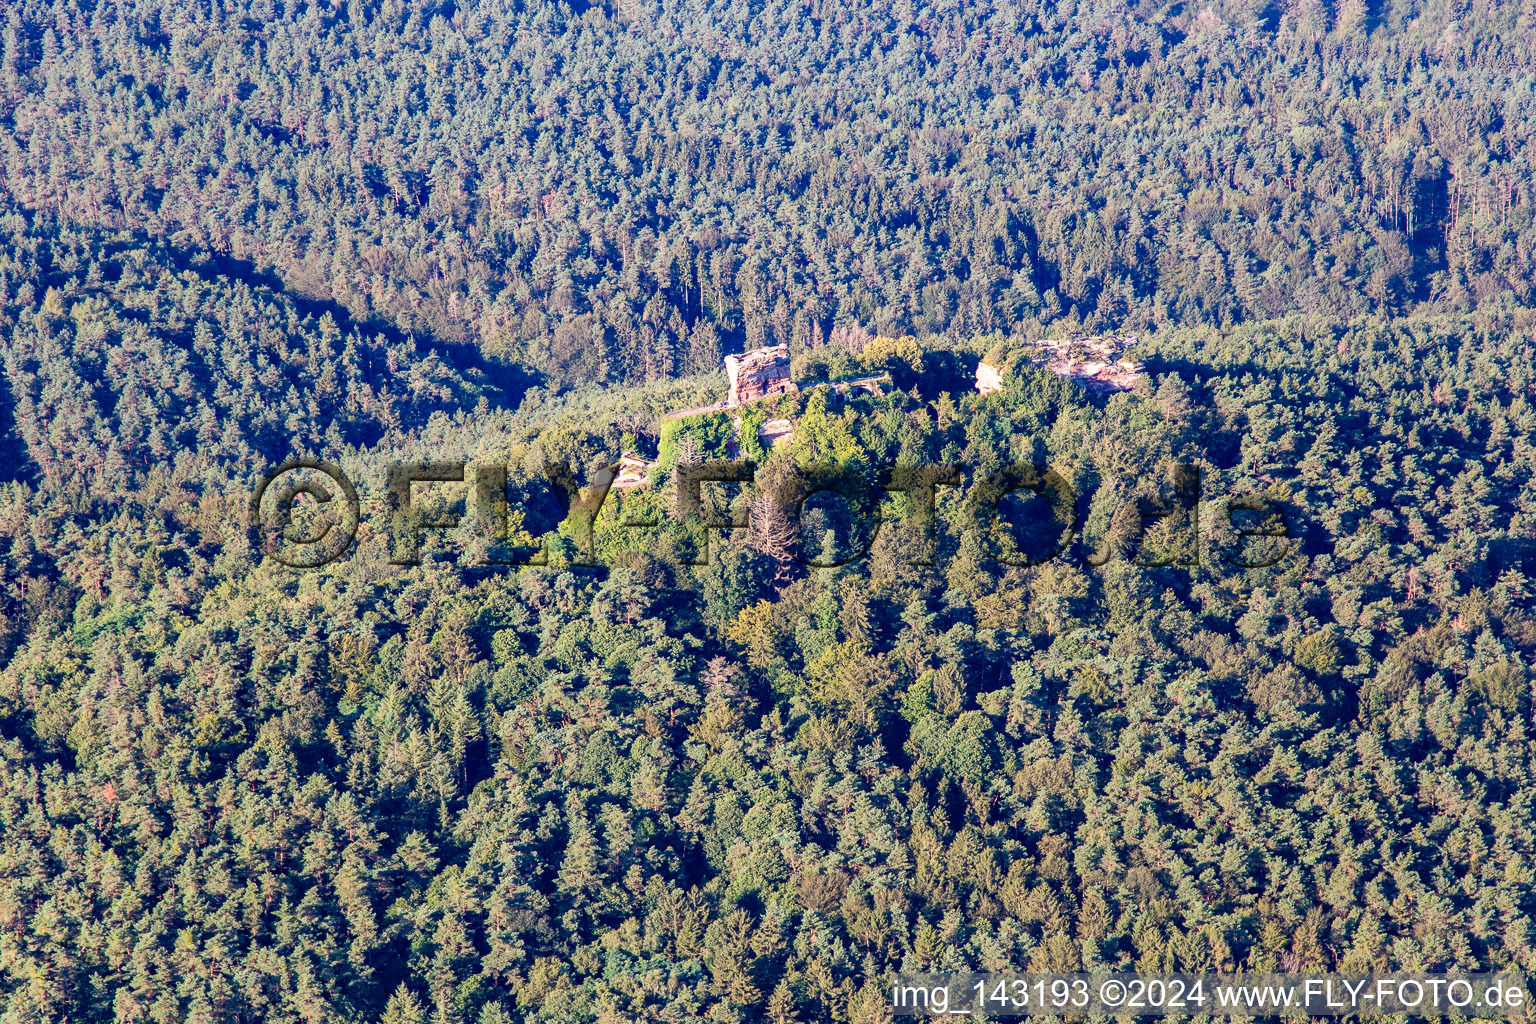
x: 511, y: 382
x: 944, y: 372
x: 1202, y: 372
x: 15, y: 464
x: 1506, y: 553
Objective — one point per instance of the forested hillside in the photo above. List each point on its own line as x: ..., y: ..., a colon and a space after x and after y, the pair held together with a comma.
x: 746, y: 790
x: 617, y: 191
x: 643, y: 789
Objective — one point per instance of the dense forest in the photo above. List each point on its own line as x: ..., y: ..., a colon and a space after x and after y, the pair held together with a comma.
x: 641, y: 782
x: 624, y: 190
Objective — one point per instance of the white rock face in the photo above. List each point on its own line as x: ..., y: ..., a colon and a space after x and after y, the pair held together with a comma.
x: 988, y: 379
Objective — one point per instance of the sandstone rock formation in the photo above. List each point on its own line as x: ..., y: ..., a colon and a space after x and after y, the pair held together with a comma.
x: 1097, y: 363
x: 758, y: 373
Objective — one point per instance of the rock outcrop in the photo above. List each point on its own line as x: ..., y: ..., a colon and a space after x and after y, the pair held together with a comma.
x: 1097, y: 363
x: 758, y: 374
x: 988, y: 378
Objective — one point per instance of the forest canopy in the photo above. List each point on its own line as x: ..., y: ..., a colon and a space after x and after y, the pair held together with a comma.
x: 635, y: 783
x: 626, y: 191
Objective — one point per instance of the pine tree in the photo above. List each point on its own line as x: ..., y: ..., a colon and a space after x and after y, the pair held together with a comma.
x: 403, y: 1008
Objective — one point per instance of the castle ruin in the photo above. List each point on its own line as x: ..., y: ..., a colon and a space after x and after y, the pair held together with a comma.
x: 758, y: 374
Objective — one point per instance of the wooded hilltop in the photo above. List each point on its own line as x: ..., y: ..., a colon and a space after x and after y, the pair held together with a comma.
x: 523, y: 233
